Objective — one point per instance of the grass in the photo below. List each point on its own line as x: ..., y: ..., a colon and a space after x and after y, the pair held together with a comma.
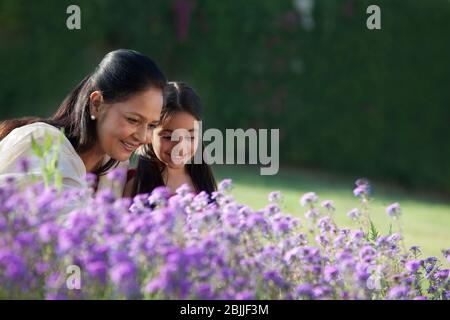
x: 425, y: 218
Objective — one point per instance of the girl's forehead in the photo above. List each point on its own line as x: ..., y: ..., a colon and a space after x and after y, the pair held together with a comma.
x: 178, y: 120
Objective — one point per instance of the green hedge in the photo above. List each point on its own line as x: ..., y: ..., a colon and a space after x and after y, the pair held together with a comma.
x: 373, y: 103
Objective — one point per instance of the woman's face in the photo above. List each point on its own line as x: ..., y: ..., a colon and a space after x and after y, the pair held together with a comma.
x: 180, y: 126
x: 124, y: 126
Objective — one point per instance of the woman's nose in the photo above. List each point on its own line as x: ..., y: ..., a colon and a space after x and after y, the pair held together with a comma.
x: 143, y: 135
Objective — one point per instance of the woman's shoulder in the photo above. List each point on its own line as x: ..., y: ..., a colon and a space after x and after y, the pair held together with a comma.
x: 23, y: 134
x: 38, y: 130
x: 38, y: 127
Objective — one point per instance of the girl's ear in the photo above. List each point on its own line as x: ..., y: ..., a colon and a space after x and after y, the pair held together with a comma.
x: 95, y: 102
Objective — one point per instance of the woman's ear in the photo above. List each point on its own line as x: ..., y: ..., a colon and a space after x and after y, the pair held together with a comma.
x: 95, y: 102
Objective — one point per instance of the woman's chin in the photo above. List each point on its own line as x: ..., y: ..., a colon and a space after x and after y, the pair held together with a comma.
x: 121, y: 156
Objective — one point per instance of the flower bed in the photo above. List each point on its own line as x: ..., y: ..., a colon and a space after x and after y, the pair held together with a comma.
x: 188, y: 246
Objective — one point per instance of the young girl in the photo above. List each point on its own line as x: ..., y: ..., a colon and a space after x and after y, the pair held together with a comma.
x: 159, y: 163
x: 106, y: 117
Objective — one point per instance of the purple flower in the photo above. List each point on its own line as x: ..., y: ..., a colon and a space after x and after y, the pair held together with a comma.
x: 275, y: 197
x: 98, y: 269
x: 413, y: 265
x: 281, y: 226
x: 117, y: 175
x: 23, y: 165
x: 367, y: 251
x: 442, y: 274
x: 183, y: 190
x: 328, y: 204
x: 272, y: 209
x: 394, y: 210
x: 225, y: 185
x: 124, y: 276
x: 53, y: 280
x: 308, y: 199
x: 398, y: 293
x: 312, y: 214
x: 204, y: 291
x: 91, y: 179
x: 245, y: 295
x: 331, y: 273
x: 13, y: 265
x: 354, y: 214
x: 305, y: 290
x: 362, y: 188
x: 275, y: 277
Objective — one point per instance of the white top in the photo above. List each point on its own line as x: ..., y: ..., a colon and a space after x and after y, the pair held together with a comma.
x: 17, y: 145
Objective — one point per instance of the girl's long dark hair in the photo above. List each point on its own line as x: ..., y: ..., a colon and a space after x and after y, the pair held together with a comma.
x: 178, y: 97
x: 121, y: 74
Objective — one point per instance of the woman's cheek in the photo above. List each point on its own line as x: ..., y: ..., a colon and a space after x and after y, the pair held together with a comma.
x: 127, y: 129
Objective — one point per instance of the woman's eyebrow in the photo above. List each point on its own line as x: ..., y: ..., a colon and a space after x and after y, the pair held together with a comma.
x: 170, y: 130
x: 142, y: 117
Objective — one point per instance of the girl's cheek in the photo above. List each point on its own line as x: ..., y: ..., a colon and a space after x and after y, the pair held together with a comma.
x: 163, y: 147
x: 194, y: 145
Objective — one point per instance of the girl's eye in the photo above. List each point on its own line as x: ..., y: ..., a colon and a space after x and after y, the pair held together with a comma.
x: 167, y: 138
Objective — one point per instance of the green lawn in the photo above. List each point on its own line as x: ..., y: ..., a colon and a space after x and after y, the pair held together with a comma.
x: 425, y: 219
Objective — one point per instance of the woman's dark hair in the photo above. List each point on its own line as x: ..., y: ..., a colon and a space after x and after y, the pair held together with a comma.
x: 121, y: 74
x: 178, y: 97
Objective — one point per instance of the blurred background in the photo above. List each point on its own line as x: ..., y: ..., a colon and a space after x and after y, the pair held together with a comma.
x: 349, y: 102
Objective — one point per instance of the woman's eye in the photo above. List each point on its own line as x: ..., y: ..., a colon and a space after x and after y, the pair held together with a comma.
x: 151, y: 126
x: 132, y: 121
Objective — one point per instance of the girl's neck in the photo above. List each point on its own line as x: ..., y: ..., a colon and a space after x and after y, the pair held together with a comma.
x: 175, y: 177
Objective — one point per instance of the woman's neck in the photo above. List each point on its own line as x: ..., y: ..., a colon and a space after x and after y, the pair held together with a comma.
x: 92, y: 159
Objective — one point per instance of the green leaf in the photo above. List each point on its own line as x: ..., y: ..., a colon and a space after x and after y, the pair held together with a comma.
x: 58, y: 180
x: 47, y: 143
x: 373, y: 233
x: 36, y: 148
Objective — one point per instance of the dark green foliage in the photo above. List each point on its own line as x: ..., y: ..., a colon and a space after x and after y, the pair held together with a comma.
x: 369, y: 103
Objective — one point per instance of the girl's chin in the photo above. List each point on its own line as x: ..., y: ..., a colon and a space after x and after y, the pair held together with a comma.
x: 174, y: 165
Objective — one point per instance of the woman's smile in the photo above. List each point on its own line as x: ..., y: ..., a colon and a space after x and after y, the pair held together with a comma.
x: 130, y: 147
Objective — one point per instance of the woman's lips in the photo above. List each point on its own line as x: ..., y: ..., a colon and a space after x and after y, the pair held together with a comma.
x: 129, y: 146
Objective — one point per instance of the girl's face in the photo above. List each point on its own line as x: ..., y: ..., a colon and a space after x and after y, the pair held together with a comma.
x: 175, y: 154
x: 124, y: 126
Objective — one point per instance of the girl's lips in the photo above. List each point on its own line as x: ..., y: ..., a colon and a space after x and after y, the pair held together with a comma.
x: 176, y: 159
